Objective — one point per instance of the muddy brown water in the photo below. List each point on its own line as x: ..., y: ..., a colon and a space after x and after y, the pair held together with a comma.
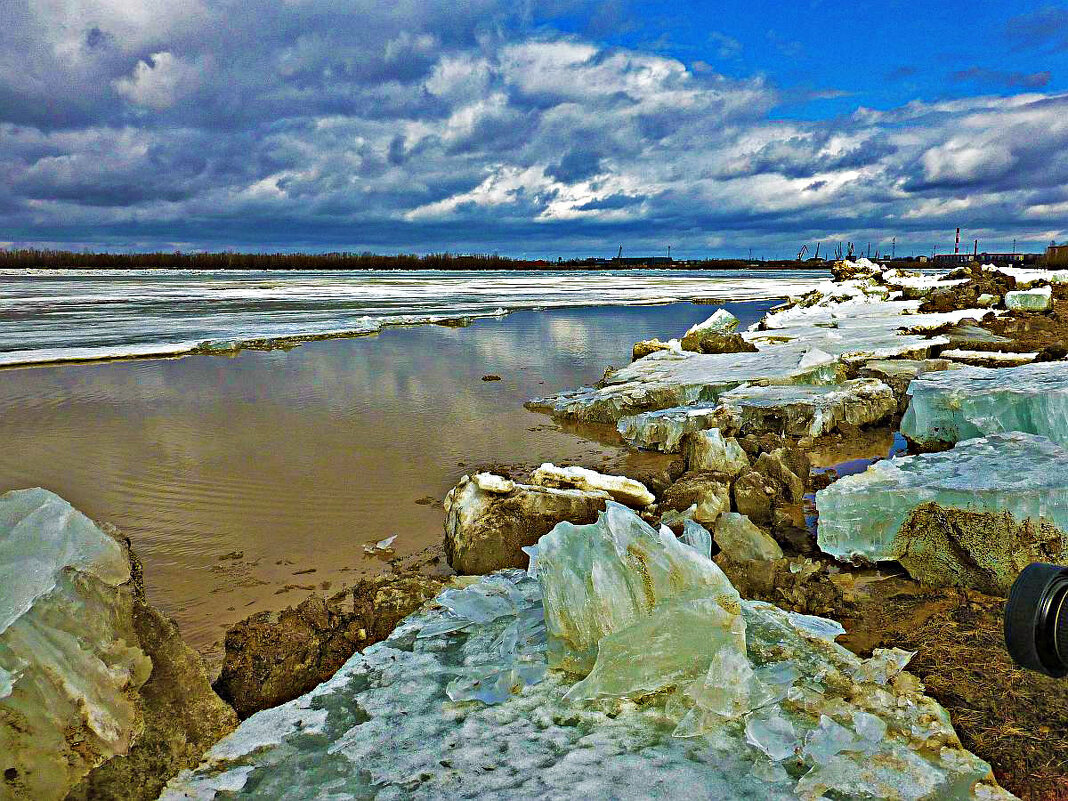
x: 247, y: 482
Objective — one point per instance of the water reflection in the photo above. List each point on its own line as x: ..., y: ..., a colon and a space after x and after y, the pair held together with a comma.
x: 298, y: 458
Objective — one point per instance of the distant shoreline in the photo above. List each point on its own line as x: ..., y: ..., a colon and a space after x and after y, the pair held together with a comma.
x: 44, y: 260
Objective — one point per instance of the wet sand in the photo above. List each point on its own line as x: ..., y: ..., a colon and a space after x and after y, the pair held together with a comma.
x: 247, y: 482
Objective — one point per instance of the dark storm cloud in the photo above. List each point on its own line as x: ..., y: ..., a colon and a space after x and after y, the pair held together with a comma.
x: 1044, y: 28
x: 999, y: 78
x: 474, y: 126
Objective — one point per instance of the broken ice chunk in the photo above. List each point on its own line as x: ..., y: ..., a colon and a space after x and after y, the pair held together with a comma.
x: 490, y: 684
x: 827, y: 739
x: 770, y: 732
x: 884, y: 664
x: 484, y: 602
x: 672, y: 645
x: 600, y: 578
x: 872, y: 729
x: 1039, y: 299
x: 697, y: 537
x: 380, y: 546
x: 625, y: 490
x: 947, y: 407
x: 817, y: 626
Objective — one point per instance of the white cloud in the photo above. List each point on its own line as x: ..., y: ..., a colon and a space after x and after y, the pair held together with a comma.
x: 349, y: 118
x: 159, y: 82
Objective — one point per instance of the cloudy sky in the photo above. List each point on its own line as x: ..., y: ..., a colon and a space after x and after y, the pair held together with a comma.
x: 532, y: 127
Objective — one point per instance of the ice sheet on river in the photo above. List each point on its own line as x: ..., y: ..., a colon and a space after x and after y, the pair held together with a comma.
x: 1022, y: 475
x: 771, y: 708
x: 64, y: 315
x: 955, y: 405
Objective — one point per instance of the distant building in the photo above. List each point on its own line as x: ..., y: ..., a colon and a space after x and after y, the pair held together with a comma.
x: 987, y: 258
x: 642, y: 261
x: 1057, y: 256
x: 953, y: 258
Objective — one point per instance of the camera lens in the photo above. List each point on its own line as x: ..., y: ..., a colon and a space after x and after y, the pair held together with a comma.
x: 1036, y: 619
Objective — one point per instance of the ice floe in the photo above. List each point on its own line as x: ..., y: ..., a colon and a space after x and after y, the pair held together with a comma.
x: 1020, y: 475
x: 674, y: 686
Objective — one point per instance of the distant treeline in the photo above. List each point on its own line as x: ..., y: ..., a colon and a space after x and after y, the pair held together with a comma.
x: 69, y: 260
x: 62, y: 259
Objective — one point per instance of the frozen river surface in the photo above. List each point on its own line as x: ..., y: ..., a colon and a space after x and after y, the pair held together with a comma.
x: 59, y: 316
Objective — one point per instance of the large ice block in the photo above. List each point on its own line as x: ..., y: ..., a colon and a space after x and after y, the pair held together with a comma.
x: 785, y: 714
x: 679, y: 378
x: 70, y: 661
x: 796, y: 410
x: 1022, y: 475
x: 603, y: 577
x: 955, y: 405
x: 805, y: 410
x: 1038, y: 299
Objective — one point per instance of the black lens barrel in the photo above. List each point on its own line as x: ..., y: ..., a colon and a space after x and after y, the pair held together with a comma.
x: 1036, y: 619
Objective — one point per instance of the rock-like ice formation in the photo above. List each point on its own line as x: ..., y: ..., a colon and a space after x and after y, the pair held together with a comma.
x: 982, y: 550
x: 88, y: 670
x: 679, y: 378
x: 739, y: 538
x: 699, y: 695
x: 1039, y: 299
x: 970, y: 402
x: 647, y: 346
x: 1023, y: 475
x: 716, y: 335
x: 795, y: 410
x: 805, y: 410
x: 70, y: 665
x: 710, y: 450
x: 625, y: 490
x: 489, y: 519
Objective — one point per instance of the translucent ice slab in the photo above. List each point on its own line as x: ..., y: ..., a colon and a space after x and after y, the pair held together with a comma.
x: 954, y: 405
x: 1023, y: 475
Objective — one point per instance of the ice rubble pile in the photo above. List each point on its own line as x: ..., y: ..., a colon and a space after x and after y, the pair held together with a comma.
x: 955, y: 405
x: 669, y: 378
x: 70, y: 665
x: 798, y: 410
x: 1019, y: 474
x: 683, y: 689
x: 810, y: 342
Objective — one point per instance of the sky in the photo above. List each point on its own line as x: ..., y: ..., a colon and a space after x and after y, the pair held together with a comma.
x: 556, y: 128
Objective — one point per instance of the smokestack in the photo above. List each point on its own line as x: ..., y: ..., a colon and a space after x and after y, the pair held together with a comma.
x: 975, y: 255
x: 956, y: 246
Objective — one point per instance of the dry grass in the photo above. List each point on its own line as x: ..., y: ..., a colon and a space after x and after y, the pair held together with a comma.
x: 1015, y: 719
